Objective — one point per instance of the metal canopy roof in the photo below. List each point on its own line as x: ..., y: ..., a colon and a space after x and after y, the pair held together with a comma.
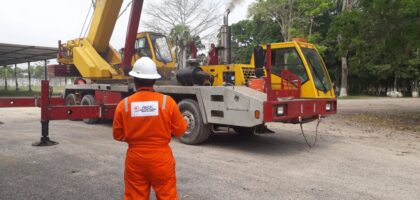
x: 15, y: 54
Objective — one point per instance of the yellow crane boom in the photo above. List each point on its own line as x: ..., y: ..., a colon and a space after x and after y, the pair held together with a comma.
x: 93, y: 56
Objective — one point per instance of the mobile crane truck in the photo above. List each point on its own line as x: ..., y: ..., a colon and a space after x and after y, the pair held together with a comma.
x: 284, y: 82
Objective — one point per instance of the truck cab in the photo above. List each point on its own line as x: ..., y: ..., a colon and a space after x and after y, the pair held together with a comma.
x: 302, y: 60
x: 298, y: 58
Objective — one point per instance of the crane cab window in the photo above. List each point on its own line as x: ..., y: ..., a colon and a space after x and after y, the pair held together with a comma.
x: 288, y: 58
x: 143, y: 48
x: 318, y: 70
x: 161, y: 48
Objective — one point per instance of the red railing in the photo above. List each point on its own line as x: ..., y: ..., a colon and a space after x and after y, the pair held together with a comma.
x: 54, y: 108
x: 289, y: 86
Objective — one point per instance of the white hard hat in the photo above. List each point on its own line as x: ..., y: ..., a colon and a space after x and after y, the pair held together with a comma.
x: 144, y: 68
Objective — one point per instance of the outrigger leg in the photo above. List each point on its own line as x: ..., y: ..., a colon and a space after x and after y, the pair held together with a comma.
x: 45, y: 140
x: 45, y: 101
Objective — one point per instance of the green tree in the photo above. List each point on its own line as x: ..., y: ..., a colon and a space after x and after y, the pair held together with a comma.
x: 344, y: 35
x: 181, y: 36
x: 38, y: 71
x: 395, y: 35
x: 9, y: 70
x: 5, y: 73
x: 246, y: 34
x: 293, y: 17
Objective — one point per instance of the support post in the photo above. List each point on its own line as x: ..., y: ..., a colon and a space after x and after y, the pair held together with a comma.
x: 16, y: 78
x: 5, y: 77
x: 29, y: 75
x: 45, y: 70
x: 45, y: 102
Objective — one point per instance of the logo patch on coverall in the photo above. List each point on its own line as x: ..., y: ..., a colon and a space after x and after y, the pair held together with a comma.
x: 144, y: 109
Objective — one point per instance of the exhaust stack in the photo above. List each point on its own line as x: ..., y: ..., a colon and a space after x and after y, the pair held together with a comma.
x: 224, y: 40
x: 226, y: 17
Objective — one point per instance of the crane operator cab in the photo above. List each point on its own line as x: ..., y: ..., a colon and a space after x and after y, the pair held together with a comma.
x: 157, y: 47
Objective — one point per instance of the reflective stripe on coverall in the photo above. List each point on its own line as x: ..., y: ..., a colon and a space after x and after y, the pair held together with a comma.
x: 146, y: 120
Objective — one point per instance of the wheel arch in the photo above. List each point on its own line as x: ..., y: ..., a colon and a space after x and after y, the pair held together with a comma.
x: 197, y: 98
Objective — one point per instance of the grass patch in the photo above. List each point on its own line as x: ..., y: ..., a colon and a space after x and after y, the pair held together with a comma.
x: 358, y: 97
x: 407, y: 121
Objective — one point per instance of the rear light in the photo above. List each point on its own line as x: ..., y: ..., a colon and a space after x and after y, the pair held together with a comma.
x: 257, y: 114
x: 280, y: 110
x: 328, y: 107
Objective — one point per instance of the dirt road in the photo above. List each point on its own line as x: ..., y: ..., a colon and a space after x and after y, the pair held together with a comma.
x: 367, y: 151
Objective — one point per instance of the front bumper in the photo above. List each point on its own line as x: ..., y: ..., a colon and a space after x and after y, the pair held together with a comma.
x: 289, y: 111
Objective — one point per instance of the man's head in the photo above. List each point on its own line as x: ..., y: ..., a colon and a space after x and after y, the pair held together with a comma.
x: 144, y: 72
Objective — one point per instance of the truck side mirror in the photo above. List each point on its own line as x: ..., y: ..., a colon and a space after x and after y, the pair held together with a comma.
x: 259, y: 59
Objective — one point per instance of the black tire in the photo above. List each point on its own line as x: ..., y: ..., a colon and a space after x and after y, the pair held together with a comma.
x: 89, y: 100
x: 70, y: 99
x: 245, y: 131
x: 197, y: 132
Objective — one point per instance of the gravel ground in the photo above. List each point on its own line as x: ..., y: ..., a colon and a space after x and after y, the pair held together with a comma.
x: 369, y: 150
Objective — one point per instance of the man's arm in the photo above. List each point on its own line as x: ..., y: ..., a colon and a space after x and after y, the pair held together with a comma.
x: 118, y: 124
x: 178, y: 124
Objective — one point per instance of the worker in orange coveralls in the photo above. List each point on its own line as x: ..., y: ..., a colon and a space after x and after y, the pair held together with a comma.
x: 146, y: 120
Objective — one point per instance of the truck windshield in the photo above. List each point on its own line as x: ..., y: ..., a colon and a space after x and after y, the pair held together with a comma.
x: 161, y: 47
x: 318, y: 70
x: 288, y: 58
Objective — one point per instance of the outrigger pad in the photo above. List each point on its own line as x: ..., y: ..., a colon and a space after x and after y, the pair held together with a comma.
x: 264, y: 130
x: 44, y: 142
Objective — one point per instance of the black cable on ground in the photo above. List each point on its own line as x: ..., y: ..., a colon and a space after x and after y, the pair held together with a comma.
x: 316, y: 132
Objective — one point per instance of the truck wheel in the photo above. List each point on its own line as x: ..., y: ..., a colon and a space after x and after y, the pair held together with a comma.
x: 197, y: 132
x: 70, y: 99
x: 89, y: 100
x: 245, y: 131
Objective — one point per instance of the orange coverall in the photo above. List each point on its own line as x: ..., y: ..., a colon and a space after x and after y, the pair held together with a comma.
x: 146, y: 120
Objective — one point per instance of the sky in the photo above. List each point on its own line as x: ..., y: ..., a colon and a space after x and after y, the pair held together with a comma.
x: 44, y: 22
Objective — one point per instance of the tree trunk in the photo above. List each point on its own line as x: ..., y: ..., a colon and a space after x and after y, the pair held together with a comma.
x: 178, y: 54
x: 344, y: 74
x: 310, y: 27
x: 344, y: 6
x: 395, y: 82
x: 184, y: 57
x: 178, y: 60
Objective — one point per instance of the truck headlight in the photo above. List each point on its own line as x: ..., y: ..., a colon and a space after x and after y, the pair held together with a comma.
x: 280, y: 110
x: 328, y: 107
